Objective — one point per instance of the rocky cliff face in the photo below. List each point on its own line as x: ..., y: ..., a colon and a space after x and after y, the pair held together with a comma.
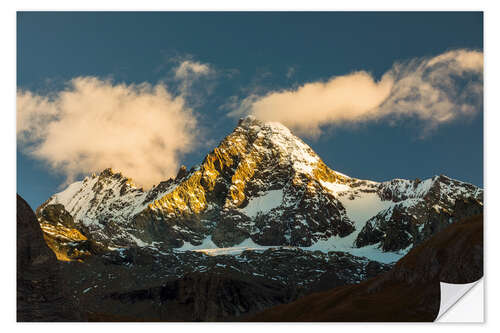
x: 41, y: 292
x: 420, y: 210
x: 261, y: 185
x: 261, y: 182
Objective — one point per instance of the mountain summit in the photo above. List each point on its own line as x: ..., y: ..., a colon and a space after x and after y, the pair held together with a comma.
x: 262, y: 186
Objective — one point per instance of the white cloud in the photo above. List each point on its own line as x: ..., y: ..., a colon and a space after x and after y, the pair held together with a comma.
x: 140, y: 130
x: 436, y: 90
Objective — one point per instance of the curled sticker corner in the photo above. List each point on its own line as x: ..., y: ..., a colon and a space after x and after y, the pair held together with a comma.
x: 450, y: 294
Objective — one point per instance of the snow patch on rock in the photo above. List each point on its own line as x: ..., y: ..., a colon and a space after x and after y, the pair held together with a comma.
x: 263, y: 203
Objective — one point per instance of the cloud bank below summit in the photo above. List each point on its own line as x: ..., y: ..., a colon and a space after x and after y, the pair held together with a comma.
x: 435, y: 90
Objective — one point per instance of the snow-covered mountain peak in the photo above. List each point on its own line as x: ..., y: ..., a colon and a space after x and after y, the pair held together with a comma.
x: 250, y: 123
x: 261, y: 184
x: 276, y: 139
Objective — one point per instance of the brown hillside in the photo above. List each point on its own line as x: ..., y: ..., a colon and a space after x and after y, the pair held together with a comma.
x: 409, y: 292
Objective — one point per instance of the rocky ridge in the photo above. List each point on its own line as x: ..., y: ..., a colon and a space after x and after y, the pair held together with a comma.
x: 265, y: 186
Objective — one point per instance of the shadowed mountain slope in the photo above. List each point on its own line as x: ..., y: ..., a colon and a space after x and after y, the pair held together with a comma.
x: 41, y: 294
x: 409, y: 292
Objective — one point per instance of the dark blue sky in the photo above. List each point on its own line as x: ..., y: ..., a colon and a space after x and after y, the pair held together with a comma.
x: 259, y: 49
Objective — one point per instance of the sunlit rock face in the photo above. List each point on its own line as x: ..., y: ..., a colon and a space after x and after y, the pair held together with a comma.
x: 262, y: 185
x: 261, y: 182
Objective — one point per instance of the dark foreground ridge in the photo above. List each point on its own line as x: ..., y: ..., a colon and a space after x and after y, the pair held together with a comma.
x: 410, y: 292
x: 40, y: 287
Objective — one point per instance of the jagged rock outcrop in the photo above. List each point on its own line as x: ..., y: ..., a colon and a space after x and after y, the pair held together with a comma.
x: 62, y: 236
x: 417, y: 215
x: 41, y: 292
x: 181, y: 173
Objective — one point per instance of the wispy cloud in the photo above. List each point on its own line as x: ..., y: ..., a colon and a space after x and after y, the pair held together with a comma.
x: 139, y: 129
x: 194, y: 80
x: 436, y: 90
x: 191, y: 69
